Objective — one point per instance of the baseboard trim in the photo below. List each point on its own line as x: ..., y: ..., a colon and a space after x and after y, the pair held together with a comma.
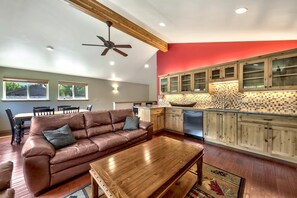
x: 5, y: 133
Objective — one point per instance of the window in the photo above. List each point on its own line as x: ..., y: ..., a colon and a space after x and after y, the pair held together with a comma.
x: 72, y: 91
x: 25, y: 89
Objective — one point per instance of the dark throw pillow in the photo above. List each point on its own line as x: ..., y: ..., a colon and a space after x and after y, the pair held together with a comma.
x: 61, y: 137
x: 131, y: 123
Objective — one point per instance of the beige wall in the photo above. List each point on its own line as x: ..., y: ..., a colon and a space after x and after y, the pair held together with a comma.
x: 100, y: 93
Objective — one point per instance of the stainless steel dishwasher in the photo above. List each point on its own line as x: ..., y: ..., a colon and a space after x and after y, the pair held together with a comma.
x: 193, y: 123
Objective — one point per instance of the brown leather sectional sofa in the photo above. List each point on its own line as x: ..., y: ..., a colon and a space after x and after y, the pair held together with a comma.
x: 98, y: 134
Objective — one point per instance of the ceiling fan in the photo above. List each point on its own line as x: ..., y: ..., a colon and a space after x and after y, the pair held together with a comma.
x: 109, y: 44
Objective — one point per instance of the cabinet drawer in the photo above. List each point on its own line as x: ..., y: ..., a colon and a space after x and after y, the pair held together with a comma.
x: 157, y: 110
x: 268, y: 119
x: 174, y: 110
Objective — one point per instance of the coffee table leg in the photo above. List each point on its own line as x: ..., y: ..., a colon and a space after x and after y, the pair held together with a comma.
x: 94, y: 188
x: 199, y: 171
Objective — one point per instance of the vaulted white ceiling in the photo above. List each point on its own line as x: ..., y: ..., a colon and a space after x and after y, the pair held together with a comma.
x: 28, y: 26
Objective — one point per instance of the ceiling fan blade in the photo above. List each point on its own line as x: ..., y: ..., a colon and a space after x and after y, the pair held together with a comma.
x: 104, y: 52
x: 92, y: 45
x: 120, y: 52
x: 102, y: 39
x: 123, y: 46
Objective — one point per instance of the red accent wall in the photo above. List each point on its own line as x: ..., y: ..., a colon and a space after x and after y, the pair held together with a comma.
x: 185, y: 56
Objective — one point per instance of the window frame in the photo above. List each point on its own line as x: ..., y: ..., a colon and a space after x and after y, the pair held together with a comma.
x: 60, y: 98
x: 28, y: 82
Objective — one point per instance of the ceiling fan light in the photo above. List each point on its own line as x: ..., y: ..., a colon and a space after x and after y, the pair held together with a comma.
x: 241, y: 10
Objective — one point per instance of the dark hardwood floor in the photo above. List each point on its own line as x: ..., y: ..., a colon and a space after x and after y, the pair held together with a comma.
x: 264, y: 178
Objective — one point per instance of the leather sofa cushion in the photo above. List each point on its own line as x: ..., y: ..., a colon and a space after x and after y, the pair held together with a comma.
x: 130, y: 135
x: 44, y: 123
x: 120, y: 115
x: 108, y: 140
x: 99, y: 130
x: 97, y: 118
x: 118, y: 126
x: 81, y: 148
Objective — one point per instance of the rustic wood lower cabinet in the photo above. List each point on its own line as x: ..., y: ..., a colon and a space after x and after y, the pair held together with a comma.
x: 174, y: 120
x: 273, y: 136
x: 220, y: 127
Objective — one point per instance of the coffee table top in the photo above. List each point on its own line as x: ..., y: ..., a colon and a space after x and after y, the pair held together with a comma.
x: 148, y: 168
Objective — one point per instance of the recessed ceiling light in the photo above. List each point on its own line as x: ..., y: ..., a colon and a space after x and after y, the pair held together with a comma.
x: 111, y: 62
x: 146, y: 66
x: 241, y: 10
x: 162, y: 24
x: 50, y: 48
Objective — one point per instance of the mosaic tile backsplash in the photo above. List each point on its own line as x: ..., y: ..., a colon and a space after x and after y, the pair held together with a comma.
x: 227, y: 95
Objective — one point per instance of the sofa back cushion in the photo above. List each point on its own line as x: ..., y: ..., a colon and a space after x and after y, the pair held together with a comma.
x: 118, y: 118
x: 98, y: 122
x: 44, y: 123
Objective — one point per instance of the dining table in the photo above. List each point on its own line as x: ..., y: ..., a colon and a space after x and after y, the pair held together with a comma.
x: 20, y: 118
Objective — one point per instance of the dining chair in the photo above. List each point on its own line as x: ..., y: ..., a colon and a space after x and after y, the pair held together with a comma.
x: 13, y: 125
x: 42, y: 107
x: 43, y: 112
x: 61, y: 107
x: 68, y: 110
x: 89, y: 107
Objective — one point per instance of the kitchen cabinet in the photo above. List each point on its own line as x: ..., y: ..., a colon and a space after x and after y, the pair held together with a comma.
x: 270, y: 135
x: 223, y: 73
x: 200, y: 81
x: 252, y: 136
x: 283, y: 72
x: 253, y: 75
x: 163, y: 85
x: 186, y: 82
x: 272, y: 73
x: 174, y: 119
x: 220, y: 127
x: 174, y: 84
x: 154, y: 115
x: 282, y: 142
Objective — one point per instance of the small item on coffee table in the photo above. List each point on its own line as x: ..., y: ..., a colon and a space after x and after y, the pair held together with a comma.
x: 131, y: 123
x: 61, y: 137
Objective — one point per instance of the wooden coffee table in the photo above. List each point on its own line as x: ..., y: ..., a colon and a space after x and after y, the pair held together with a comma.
x: 150, y: 169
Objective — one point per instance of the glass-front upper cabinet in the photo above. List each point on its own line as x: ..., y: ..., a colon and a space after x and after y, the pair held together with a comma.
x: 186, y: 82
x: 223, y: 73
x: 173, y: 84
x: 200, y: 83
x: 253, y: 75
x: 230, y: 72
x: 283, y: 72
x: 215, y: 74
x: 163, y: 85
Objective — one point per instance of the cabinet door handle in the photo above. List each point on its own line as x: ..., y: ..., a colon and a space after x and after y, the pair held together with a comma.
x: 266, y: 119
x: 265, y: 128
x: 266, y: 140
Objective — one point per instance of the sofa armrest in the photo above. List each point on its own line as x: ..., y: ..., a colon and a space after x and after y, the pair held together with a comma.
x: 148, y: 126
x: 37, y: 145
x: 144, y: 125
x: 5, y: 172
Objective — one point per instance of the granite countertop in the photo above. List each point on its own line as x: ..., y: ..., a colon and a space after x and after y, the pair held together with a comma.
x: 225, y: 110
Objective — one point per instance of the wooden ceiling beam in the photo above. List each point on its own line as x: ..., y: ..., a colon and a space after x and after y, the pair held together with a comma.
x: 103, y: 13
